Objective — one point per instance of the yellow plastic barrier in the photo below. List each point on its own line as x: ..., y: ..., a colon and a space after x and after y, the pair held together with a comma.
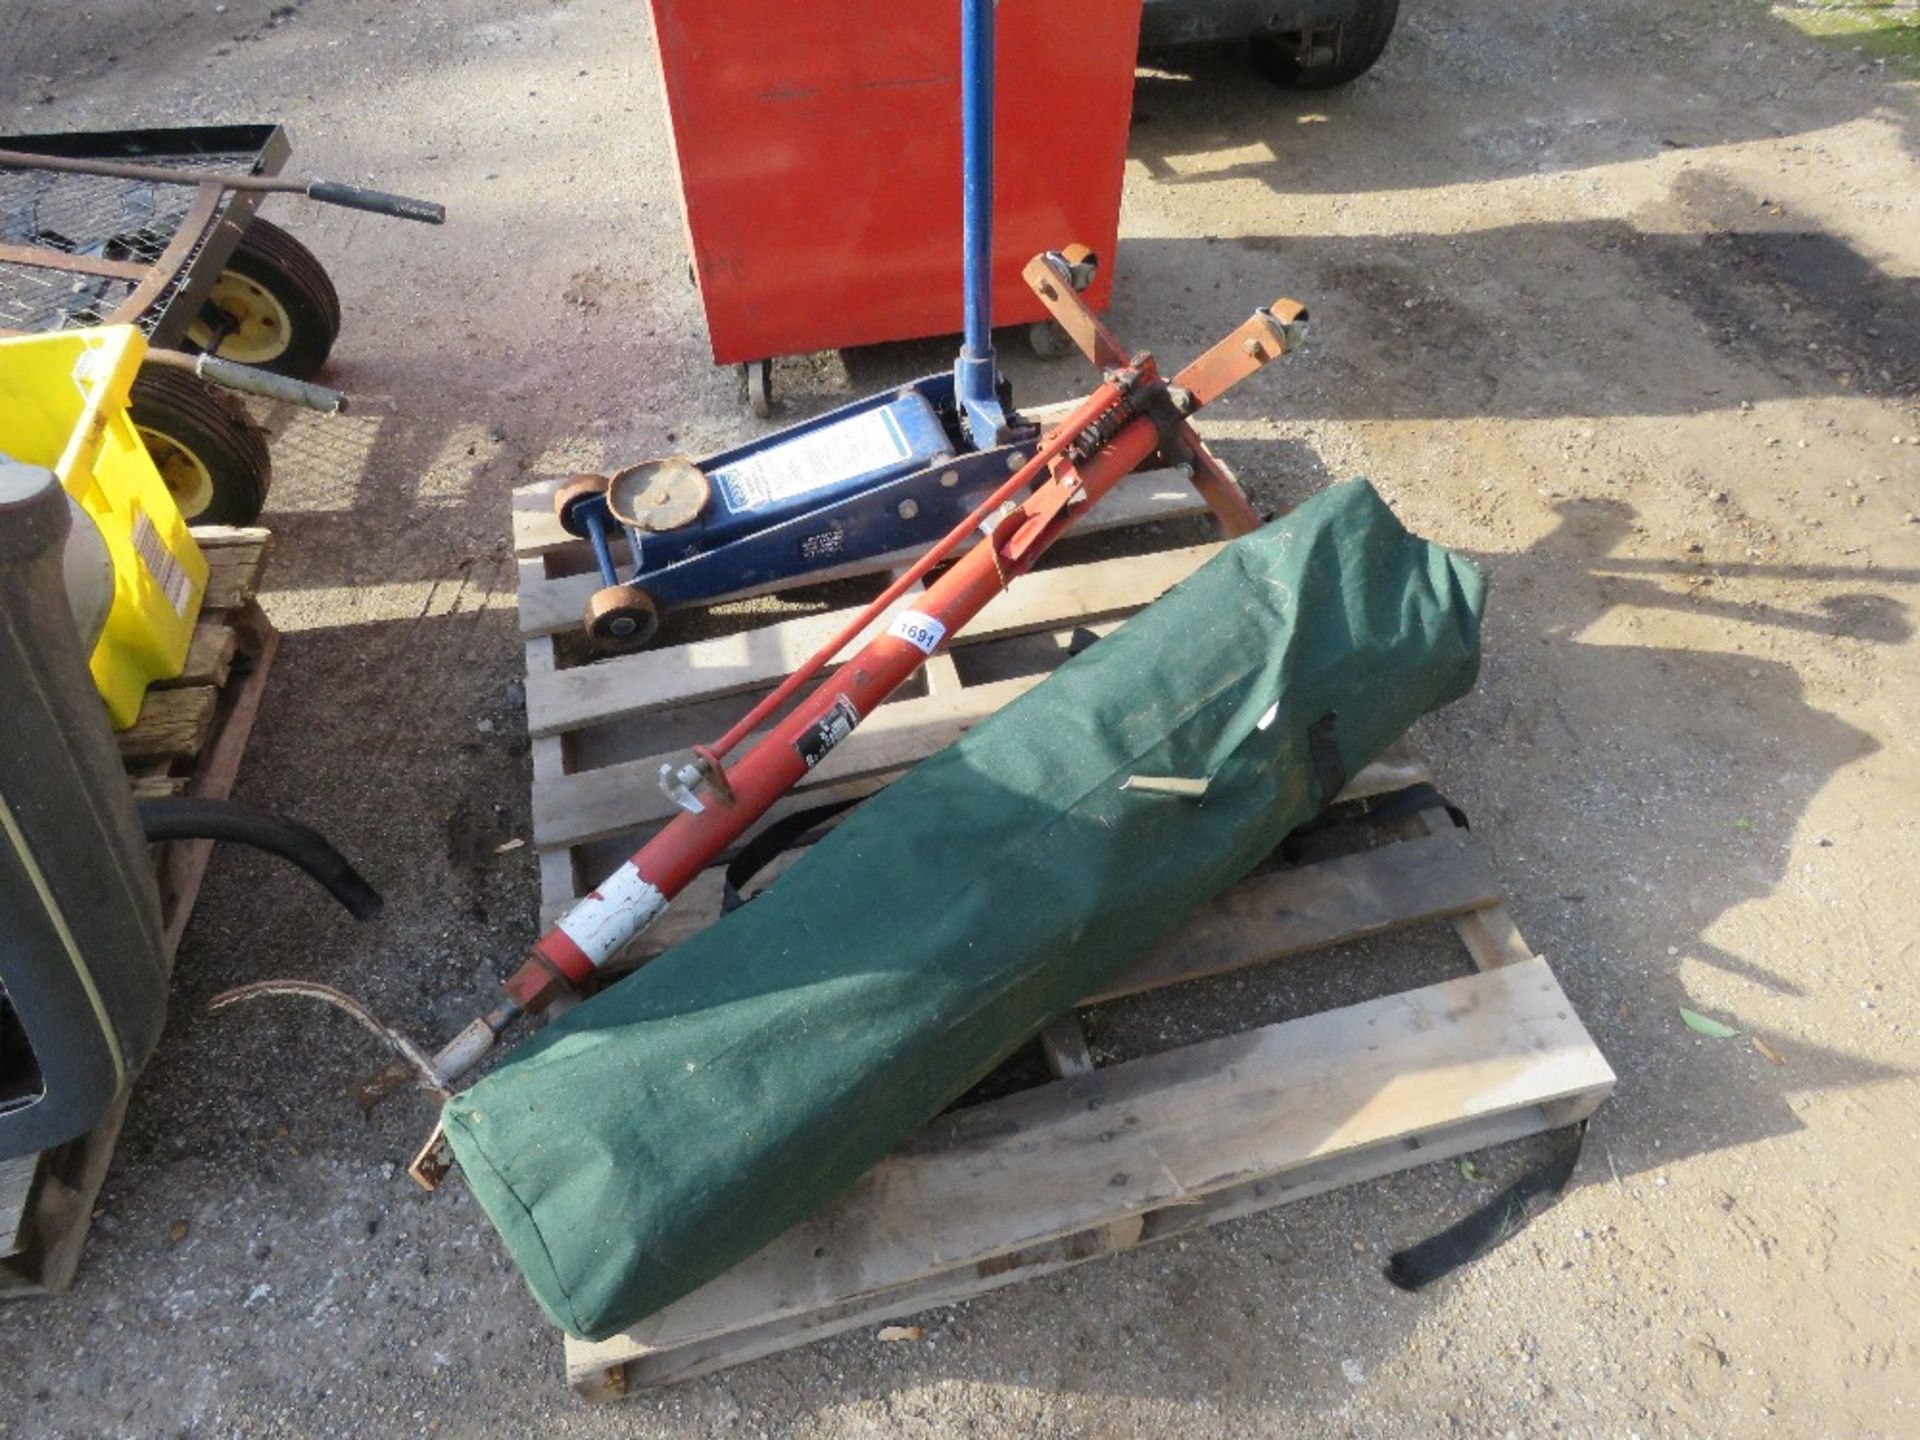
x: 63, y: 405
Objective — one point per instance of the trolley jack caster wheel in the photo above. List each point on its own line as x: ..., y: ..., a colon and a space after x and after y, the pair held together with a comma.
x: 570, y: 496
x: 621, y: 617
x: 759, y: 376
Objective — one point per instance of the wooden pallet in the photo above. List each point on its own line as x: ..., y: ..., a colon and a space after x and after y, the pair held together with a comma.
x: 188, y: 740
x: 1104, y: 1157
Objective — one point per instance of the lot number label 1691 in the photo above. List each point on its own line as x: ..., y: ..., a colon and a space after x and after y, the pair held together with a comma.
x: 923, y: 632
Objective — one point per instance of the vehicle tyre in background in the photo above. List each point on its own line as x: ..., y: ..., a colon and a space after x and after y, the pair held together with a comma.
x: 1354, y: 47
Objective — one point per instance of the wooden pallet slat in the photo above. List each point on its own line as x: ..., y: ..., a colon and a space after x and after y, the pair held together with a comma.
x: 631, y: 685
x: 1060, y: 1160
x: 612, y: 1368
x: 52, y: 1229
x: 616, y: 799
x: 215, y: 772
x: 1289, y: 912
x: 209, y: 656
x: 16, y: 1195
x: 236, y: 555
x: 172, y: 724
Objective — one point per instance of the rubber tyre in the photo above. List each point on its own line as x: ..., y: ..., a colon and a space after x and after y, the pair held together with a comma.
x: 617, y: 607
x: 1361, y: 43
x: 272, y: 259
x: 575, y: 491
x: 1048, y: 341
x: 215, y: 434
x: 759, y: 377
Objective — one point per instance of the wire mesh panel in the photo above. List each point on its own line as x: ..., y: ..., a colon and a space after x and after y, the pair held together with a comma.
x: 129, y: 221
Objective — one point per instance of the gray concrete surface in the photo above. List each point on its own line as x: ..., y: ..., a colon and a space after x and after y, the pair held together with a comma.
x: 1619, y: 296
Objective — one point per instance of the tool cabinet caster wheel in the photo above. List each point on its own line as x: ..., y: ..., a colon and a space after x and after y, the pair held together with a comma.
x: 1049, y: 341
x: 1082, y: 265
x: 621, y: 617
x: 570, y: 496
x: 759, y: 375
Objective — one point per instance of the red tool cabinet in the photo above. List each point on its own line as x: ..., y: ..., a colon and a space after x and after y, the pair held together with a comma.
x: 817, y: 144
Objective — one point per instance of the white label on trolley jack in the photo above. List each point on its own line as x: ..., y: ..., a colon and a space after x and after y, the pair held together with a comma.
x: 919, y: 630
x: 603, y: 923
x: 167, y: 572
x: 831, y: 455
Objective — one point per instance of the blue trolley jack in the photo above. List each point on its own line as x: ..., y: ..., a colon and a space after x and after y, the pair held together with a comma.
x: 892, y: 472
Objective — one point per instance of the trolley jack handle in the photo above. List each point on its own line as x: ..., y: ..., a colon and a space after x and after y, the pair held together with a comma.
x: 976, y: 375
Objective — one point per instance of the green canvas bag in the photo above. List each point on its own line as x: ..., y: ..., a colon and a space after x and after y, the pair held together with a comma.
x: 678, y: 1121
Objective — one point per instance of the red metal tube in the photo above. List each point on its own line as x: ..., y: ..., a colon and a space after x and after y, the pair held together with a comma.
x: 1083, y: 414
x: 601, y: 924
x: 636, y: 894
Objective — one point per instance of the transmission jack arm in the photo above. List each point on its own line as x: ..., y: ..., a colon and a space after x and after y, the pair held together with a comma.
x: 1133, y: 414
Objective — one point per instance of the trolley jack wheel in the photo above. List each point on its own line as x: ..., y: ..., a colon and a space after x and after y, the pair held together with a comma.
x: 1082, y: 265
x: 568, y: 498
x: 622, y: 617
x: 759, y: 377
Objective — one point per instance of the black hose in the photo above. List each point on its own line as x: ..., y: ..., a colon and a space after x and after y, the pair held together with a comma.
x: 185, y: 819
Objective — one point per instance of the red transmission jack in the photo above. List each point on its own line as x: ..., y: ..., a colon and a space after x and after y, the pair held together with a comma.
x: 1131, y: 417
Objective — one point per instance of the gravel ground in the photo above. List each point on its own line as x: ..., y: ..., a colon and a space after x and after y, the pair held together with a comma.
x: 1621, y: 297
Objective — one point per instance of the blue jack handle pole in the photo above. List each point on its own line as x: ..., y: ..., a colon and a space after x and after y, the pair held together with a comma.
x: 976, y: 139
x: 974, y: 372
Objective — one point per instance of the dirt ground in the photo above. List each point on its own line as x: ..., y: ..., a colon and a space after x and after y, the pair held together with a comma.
x: 1621, y: 297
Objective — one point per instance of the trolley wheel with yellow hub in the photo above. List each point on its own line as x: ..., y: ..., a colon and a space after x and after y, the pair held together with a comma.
x: 211, y: 456
x: 271, y: 306
x: 622, y: 617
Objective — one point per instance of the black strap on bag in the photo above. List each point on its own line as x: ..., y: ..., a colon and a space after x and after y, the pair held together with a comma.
x: 778, y: 837
x: 1377, y: 810
x: 1472, y: 1236
x: 1323, y: 753
x: 1081, y: 640
x: 1490, y: 1225
x: 1405, y: 803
